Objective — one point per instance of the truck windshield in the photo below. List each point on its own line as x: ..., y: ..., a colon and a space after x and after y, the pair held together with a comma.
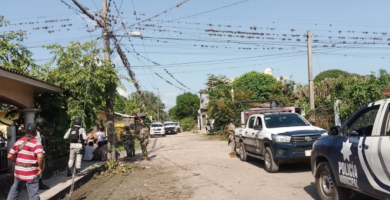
x: 169, y: 124
x: 284, y: 120
x: 157, y: 125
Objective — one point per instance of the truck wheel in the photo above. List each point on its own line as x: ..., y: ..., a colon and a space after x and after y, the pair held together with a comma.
x: 326, y: 185
x: 243, y: 155
x: 269, y: 164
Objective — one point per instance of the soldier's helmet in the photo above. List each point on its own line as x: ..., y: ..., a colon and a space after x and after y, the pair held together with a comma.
x: 77, y: 121
x: 127, y: 128
x: 231, y: 120
x: 39, y: 121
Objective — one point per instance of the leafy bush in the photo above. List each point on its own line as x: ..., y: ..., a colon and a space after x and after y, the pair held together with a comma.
x: 187, y: 123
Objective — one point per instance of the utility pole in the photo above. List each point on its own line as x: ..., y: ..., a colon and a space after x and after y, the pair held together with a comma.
x: 109, y: 102
x: 310, y: 65
x: 158, y: 105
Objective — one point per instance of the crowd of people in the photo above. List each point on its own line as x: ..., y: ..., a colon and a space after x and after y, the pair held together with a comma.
x: 28, y: 152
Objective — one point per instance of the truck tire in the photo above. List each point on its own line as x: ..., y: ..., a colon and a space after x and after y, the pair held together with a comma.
x: 269, y: 164
x: 326, y: 185
x: 243, y: 155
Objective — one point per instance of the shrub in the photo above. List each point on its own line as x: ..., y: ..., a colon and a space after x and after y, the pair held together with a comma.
x: 187, y: 123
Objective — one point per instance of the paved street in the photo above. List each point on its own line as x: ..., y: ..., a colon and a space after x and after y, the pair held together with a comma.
x: 205, y: 165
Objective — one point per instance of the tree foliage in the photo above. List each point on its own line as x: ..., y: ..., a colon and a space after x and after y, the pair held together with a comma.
x: 134, y: 104
x: 257, y: 84
x: 332, y: 73
x: 221, y: 101
x: 187, y: 105
x: 15, y: 56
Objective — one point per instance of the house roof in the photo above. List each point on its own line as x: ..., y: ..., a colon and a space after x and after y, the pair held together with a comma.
x: 38, y: 85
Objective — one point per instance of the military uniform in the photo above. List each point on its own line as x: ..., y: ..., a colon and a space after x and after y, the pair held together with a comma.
x: 40, y: 122
x: 232, y: 139
x: 143, y: 138
x: 76, y: 147
x: 128, y: 141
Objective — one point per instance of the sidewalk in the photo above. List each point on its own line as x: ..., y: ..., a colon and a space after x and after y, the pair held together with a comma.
x: 60, y: 184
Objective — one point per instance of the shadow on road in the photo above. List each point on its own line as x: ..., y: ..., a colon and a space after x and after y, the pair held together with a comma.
x: 284, y: 168
x: 311, y: 190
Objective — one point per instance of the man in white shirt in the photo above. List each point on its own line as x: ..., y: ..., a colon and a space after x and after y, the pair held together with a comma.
x: 88, y: 152
x: 101, y: 135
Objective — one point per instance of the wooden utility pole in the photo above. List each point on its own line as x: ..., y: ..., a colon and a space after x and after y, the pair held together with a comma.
x: 109, y: 97
x: 310, y: 65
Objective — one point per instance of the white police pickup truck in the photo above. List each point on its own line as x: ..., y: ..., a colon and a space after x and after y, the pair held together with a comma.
x: 275, y: 135
x: 355, y: 156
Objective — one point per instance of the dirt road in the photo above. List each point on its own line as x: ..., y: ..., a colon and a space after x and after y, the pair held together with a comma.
x: 191, y: 166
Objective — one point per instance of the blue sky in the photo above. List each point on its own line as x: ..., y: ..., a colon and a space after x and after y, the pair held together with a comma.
x: 350, y: 35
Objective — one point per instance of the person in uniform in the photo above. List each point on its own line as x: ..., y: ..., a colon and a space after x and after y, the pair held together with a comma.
x: 77, y: 137
x: 143, y: 138
x: 40, y: 123
x: 232, y: 139
x: 128, y: 142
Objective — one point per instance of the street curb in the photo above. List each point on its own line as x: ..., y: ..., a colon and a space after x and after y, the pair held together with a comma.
x: 89, y: 174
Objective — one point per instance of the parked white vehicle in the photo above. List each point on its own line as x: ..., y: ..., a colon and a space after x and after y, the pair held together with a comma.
x: 157, y: 129
x: 170, y: 127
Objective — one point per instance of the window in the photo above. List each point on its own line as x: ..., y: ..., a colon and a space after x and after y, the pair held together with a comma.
x: 258, y: 122
x: 386, y: 123
x: 362, y: 125
x: 284, y: 120
x: 251, y: 122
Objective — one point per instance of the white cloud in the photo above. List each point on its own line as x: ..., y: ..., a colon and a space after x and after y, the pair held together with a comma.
x: 169, y: 100
x: 122, y: 92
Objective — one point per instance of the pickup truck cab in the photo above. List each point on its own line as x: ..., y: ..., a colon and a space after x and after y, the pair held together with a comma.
x: 355, y: 156
x: 276, y: 136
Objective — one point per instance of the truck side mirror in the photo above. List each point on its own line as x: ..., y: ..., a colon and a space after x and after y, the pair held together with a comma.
x: 257, y: 127
x: 312, y: 123
x: 335, y: 130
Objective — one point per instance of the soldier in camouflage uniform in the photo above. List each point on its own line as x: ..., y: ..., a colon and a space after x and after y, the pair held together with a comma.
x: 143, y: 138
x: 128, y: 141
x: 232, y: 139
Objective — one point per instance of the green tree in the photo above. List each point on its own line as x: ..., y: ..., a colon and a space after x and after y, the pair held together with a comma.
x: 15, y: 56
x: 332, y: 73
x: 187, y: 105
x: 221, y: 105
x: 255, y: 83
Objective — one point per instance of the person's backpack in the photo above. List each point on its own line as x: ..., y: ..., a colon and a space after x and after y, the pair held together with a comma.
x: 74, y: 135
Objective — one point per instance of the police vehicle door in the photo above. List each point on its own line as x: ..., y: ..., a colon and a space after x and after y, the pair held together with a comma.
x: 374, y: 154
x: 258, y: 136
x: 250, y: 140
x: 349, y: 166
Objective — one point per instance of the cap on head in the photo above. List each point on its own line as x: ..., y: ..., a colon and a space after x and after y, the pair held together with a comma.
x: 77, y: 121
x: 40, y: 120
x: 30, y: 128
x: 127, y: 128
x: 231, y: 120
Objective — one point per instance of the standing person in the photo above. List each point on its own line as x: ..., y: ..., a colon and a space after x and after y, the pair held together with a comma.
x: 101, y: 136
x: 143, y: 138
x: 27, y: 153
x: 128, y: 141
x: 40, y: 123
x: 232, y: 138
x: 77, y: 137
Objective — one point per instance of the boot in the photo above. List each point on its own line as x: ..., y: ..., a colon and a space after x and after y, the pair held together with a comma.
x: 78, y: 171
x: 43, y: 186
x: 234, y: 155
x: 69, y: 173
x: 145, y: 158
